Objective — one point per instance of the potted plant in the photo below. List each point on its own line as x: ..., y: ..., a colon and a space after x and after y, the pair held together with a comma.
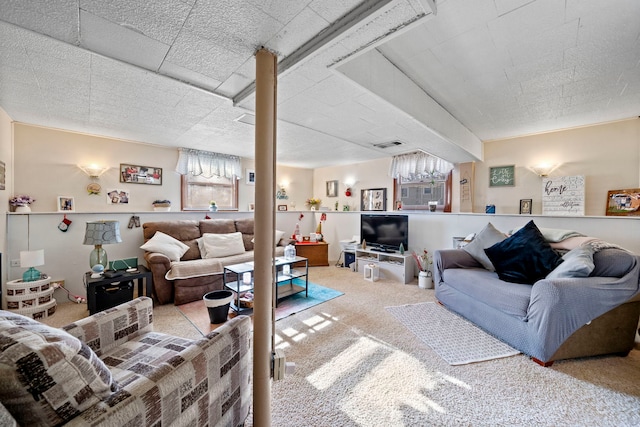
x: 162, y: 205
x: 212, y: 206
x: 21, y: 203
x: 313, y: 203
x: 424, y: 261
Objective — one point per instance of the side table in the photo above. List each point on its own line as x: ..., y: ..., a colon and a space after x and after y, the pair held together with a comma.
x: 316, y: 252
x: 93, y: 285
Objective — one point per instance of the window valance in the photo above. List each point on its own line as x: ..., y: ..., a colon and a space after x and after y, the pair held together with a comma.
x: 207, y: 164
x: 419, y: 165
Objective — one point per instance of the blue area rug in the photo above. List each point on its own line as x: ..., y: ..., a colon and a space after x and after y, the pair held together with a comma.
x: 297, y: 303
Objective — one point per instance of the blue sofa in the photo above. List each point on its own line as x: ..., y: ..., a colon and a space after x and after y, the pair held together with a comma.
x: 551, y: 319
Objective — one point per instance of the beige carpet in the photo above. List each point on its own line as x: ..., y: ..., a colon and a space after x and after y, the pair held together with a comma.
x: 356, y: 365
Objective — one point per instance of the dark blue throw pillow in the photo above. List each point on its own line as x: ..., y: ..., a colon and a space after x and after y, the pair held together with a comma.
x: 525, y: 257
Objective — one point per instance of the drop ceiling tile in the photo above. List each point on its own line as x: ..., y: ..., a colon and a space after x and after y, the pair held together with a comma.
x: 332, y: 11
x: 302, y: 28
x: 505, y: 6
x: 458, y: 17
x: 281, y: 10
x: 333, y: 91
x: 116, y: 41
x: 56, y: 19
x: 160, y: 20
x: 204, y: 56
x: 236, y: 26
x: 530, y: 20
x: 177, y: 72
x: 233, y: 85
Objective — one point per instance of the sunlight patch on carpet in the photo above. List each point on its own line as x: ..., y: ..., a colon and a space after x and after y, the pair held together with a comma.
x: 453, y: 338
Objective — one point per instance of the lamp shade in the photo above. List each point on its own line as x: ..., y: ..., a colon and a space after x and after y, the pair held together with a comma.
x: 102, y: 233
x: 31, y: 258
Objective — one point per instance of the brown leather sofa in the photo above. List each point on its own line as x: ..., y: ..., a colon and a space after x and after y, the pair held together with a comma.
x: 181, y: 288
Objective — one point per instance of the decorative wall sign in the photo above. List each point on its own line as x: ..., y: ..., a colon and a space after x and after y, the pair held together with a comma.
x: 623, y: 202
x: 374, y: 199
x: 134, y: 174
x: 250, y: 177
x: 563, y: 195
x: 502, y: 176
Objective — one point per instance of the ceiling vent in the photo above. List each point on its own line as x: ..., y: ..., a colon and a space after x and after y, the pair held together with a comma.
x: 384, y: 145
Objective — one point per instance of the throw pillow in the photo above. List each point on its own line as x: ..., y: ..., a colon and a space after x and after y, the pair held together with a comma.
x: 525, y: 257
x: 166, y: 245
x: 487, y: 237
x: 577, y: 262
x: 221, y: 245
x: 276, y: 238
x: 47, y: 376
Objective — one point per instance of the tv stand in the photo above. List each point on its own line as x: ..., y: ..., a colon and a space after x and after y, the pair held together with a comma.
x: 393, y: 265
x: 384, y: 250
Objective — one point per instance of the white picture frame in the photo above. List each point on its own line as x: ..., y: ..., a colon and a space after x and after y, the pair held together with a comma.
x: 66, y: 204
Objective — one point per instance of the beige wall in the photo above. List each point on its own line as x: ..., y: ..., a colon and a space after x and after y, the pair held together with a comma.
x: 372, y: 174
x: 608, y: 155
x: 6, y: 131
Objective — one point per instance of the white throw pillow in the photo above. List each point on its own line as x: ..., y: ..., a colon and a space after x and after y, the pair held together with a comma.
x: 166, y: 245
x: 276, y: 238
x: 221, y: 245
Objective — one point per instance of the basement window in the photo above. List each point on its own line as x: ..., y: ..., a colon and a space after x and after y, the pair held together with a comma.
x: 415, y: 192
x: 198, y: 191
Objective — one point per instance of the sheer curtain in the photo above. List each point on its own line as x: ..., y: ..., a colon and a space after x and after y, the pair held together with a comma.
x: 207, y: 164
x: 419, y: 164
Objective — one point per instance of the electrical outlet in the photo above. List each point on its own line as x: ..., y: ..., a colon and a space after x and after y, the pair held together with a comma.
x: 15, y: 263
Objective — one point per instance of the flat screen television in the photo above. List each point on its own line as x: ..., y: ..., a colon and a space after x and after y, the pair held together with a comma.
x: 385, y: 232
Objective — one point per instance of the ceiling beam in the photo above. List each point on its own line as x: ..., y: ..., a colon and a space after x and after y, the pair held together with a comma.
x: 338, y: 28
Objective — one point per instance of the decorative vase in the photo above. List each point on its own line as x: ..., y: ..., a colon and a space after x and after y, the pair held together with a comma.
x: 313, y: 207
x: 424, y: 280
x: 213, y: 208
x: 23, y: 208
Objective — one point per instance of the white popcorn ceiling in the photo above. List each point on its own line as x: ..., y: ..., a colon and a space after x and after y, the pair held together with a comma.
x: 165, y: 72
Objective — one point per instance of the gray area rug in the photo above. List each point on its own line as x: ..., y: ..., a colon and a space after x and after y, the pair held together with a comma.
x: 455, y: 339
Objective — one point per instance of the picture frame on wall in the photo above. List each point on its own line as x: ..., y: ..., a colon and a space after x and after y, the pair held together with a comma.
x: 2, y: 175
x: 66, y: 204
x: 525, y: 206
x: 623, y: 202
x: 250, y: 176
x: 332, y: 188
x: 136, y: 174
x: 373, y: 199
x: 117, y: 197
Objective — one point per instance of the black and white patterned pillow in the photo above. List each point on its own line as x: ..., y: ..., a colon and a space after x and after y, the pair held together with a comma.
x: 47, y: 376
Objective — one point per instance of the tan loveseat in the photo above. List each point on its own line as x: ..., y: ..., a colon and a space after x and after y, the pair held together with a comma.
x: 192, y: 276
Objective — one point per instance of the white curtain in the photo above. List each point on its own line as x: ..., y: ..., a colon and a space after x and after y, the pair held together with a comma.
x: 207, y: 164
x: 419, y: 164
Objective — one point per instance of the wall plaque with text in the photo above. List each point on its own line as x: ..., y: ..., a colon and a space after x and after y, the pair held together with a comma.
x: 563, y: 195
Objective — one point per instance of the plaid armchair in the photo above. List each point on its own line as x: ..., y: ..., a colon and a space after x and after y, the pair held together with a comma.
x: 153, y: 379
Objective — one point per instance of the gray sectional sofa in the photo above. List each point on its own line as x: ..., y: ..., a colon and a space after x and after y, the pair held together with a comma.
x: 551, y: 318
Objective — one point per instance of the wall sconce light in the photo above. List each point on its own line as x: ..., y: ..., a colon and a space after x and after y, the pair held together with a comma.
x: 93, y: 171
x: 543, y: 169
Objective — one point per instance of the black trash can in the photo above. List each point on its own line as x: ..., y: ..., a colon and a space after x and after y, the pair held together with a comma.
x: 217, y: 303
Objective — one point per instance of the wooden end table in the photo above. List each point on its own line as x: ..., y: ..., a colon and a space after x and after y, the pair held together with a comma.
x: 316, y: 252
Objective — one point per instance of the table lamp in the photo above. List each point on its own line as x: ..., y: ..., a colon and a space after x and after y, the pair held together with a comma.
x: 100, y: 233
x: 31, y: 259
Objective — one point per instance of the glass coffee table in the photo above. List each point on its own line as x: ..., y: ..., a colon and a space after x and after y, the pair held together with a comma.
x: 239, y: 279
